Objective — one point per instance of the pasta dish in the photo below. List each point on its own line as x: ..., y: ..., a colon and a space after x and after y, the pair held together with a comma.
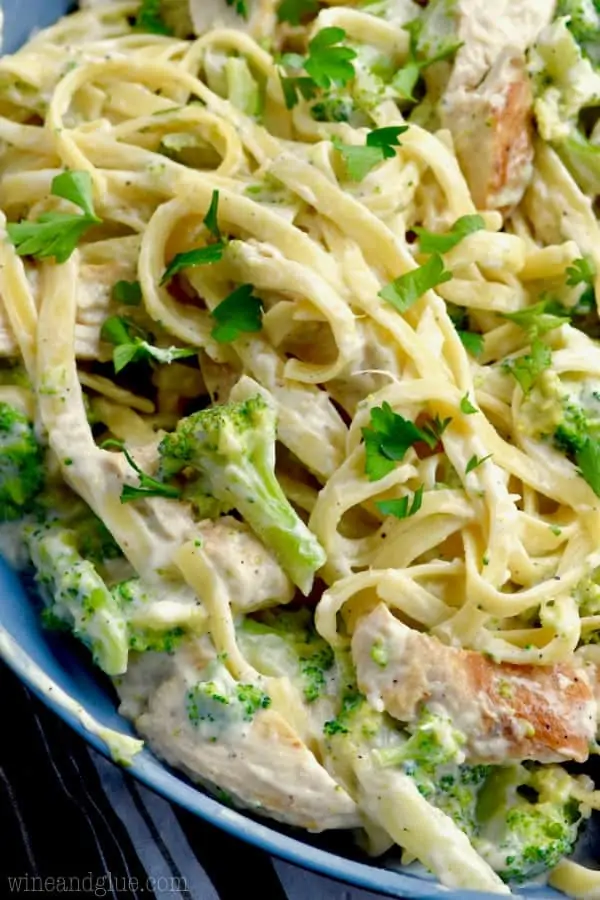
x: 300, y: 404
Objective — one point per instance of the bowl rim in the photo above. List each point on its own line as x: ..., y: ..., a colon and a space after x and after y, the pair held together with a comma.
x: 171, y: 785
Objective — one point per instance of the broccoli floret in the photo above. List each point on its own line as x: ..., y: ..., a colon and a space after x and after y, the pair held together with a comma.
x: 355, y: 715
x: 21, y: 464
x: 584, y: 24
x: 565, y: 85
x: 529, y: 821
x: 582, y: 158
x: 233, y: 448
x: 564, y: 81
x: 433, y: 757
x: 218, y: 703
x: 156, y: 619
x: 166, y: 17
x: 285, y: 642
x: 332, y: 108
x: 433, y: 742
x: 587, y: 595
x: 574, y: 429
x: 142, y: 640
x: 77, y: 595
x: 437, y: 29
x: 94, y: 541
x: 252, y: 698
x: 578, y: 434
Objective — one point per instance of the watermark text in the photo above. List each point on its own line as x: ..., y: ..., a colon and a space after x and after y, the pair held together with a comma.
x: 94, y: 885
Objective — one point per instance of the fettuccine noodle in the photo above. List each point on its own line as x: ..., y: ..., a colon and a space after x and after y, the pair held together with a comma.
x: 479, y: 534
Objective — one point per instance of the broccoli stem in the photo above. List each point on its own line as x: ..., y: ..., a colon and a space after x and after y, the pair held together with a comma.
x: 233, y: 449
x: 79, y: 596
x: 258, y: 497
x: 21, y: 464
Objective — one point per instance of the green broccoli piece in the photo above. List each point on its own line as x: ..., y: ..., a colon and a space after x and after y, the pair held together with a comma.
x: 218, y: 702
x: 285, y: 643
x: 433, y: 757
x: 355, y: 716
x: 335, y: 108
x: 584, y: 25
x: 578, y: 434
x: 566, y: 87
x: 21, y: 464
x: 574, y: 429
x: 537, y: 838
x: 251, y: 698
x: 94, y: 541
x: 156, y: 620
x: 166, y: 17
x: 582, y: 159
x: 233, y: 448
x: 525, y: 830
x: 433, y: 742
x: 77, y: 595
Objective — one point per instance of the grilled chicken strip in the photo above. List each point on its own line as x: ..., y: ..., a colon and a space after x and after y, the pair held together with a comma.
x: 263, y: 764
x: 507, y: 712
x: 487, y: 104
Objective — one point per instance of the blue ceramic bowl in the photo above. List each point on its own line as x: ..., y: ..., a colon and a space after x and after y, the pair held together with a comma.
x: 55, y: 672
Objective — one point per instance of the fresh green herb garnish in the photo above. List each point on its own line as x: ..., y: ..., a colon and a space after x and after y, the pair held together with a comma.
x: 149, y: 18
x: 380, y: 145
x: 430, y: 242
x: 406, y: 79
x: 471, y: 341
x: 328, y: 63
x: 56, y: 234
x: 129, y: 293
x: 404, y: 291
x: 239, y: 313
x: 526, y: 369
x: 148, y: 486
x: 203, y: 256
x: 293, y: 11
x: 240, y: 7
x: 467, y: 407
x: 400, y: 508
x: 211, y: 220
x: 388, y: 439
x: 583, y: 271
x: 588, y: 460
x: 475, y: 462
x: 536, y: 320
x: 292, y: 86
x: 132, y: 345
x: 438, y: 426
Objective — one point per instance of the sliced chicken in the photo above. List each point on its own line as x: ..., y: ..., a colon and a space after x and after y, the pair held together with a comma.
x: 253, y: 577
x: 492, y: 128
x: 507, y: 712
x: 94, y: 305
x: 262, y: 764
x: 487, y: 29
x: 487, y: 104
